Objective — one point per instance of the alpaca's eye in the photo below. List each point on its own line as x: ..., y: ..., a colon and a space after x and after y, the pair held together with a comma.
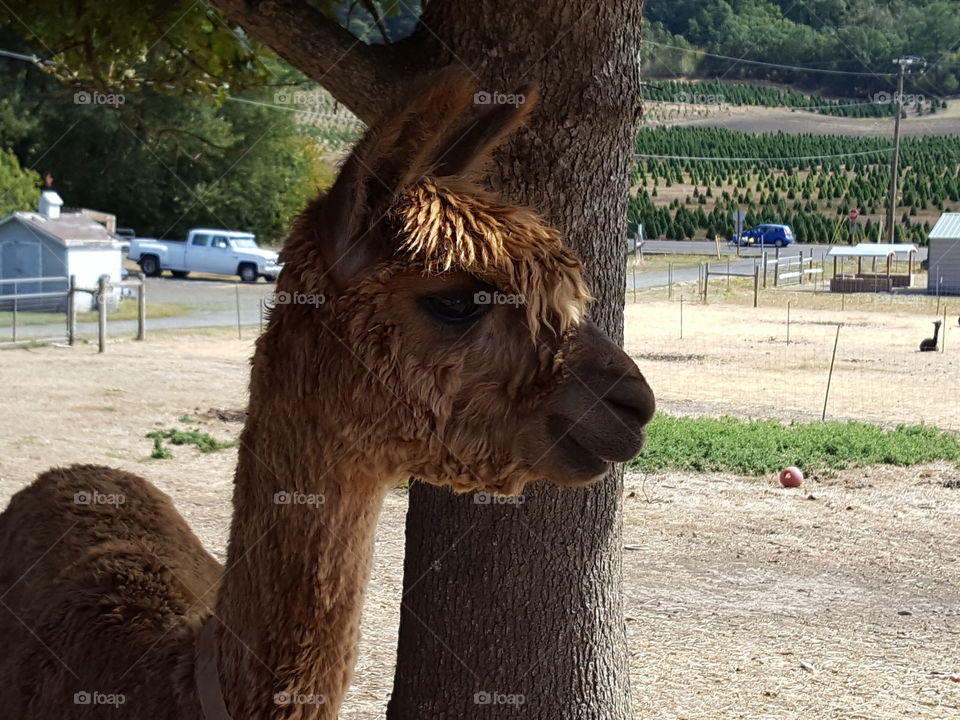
x: 456, y: 307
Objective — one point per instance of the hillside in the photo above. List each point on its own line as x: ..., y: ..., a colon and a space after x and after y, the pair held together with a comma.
x: 845, y: 47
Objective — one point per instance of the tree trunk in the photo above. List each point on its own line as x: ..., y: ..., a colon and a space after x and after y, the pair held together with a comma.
x: 518, y: 605
x: 516, y: 610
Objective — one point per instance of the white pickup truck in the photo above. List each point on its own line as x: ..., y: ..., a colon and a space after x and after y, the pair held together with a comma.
x: 205, y: 250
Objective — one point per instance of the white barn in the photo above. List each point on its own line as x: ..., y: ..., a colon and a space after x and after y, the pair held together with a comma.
x: 51, y: 244
x: 943, y: 258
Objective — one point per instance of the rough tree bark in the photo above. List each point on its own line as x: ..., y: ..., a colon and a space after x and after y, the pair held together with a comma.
x: 516, y: 600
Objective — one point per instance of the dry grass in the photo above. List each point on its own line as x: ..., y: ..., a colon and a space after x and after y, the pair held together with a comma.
x: 731, y: 583
x: 745, y: 367
x: 755, y: 119
x: 652, y: 262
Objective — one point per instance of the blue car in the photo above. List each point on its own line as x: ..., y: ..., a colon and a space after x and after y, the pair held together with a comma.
x: 778, y: 235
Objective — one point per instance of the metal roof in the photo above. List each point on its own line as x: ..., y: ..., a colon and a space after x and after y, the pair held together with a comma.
x: 70, y: 229
x: 947, y: 227
x: 872, y: 250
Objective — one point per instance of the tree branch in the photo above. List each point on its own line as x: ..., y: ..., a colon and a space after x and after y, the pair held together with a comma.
x: 362, y: 77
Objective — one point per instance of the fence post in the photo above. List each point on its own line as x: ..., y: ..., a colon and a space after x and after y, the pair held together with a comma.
x: 776, y: 273
x: 14, y: 318
x: 706, y: 282
x: 142, y: 307
x: 669, y: 281
x: 788, y: 321
x: 801, y: 267
x: 764, y: 269
x: 728, y: 276
x: 681, y: 317
x: 102, y: 313
x: 756, y: 285
x: 939, y: 278
x: 237, y: 288
x: 72, y: 310
x: 833, y: 359
x: 943, y: 347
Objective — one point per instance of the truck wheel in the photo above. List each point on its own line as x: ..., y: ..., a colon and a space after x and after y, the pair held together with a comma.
x: 248, y: 273
x: 180, y: 273
x: 150, y: 266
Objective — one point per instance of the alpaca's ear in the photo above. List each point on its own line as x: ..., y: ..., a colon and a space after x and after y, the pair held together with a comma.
x: 395, y: 154
x: 470, y: 144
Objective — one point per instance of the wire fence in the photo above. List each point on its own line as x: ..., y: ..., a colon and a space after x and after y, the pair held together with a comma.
x: 728, y: 356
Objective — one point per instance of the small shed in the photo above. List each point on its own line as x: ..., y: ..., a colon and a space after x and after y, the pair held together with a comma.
x: 943, y: 258
x: 890, y: 257
x: 51, y: 244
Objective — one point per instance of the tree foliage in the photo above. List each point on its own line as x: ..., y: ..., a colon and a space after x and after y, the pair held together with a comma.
x: 163, y: 163
x: 19, y: 188
x: 177, y: 46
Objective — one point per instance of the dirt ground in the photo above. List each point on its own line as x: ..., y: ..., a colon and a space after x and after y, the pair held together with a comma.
x: 743, y: 600
x: 736, y: 361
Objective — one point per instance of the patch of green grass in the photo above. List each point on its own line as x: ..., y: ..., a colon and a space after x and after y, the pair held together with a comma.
x: 159, y: 452
x: 756, y: 447
x: 127, y: 310
x: 204, y: 442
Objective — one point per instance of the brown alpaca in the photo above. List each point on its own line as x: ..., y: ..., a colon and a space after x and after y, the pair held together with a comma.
x: 384, y: 358
x: 930, y: 344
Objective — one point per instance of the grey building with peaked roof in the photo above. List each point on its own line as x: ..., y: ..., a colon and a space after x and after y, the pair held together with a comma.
x: 943, y: 258
x: 37, y: 248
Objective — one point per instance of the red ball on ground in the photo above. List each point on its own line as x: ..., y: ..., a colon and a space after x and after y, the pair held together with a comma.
x: 791, y: 477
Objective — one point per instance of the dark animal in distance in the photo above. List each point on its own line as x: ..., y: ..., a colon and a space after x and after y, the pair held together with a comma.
x: 930, y: 344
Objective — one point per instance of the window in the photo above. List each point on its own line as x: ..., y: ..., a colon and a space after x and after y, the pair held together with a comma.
x: 200, y: 240
x: 220, y: 242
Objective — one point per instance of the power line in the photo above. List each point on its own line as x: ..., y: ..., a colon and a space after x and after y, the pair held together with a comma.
x: 312, y: 112
x: 763, y: 63
x: 762, y: 160
x: 20, y: 56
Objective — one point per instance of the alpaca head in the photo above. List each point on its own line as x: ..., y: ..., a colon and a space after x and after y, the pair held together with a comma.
x: 440, y: 331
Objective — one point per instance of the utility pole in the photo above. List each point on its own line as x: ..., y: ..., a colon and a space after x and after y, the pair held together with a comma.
x: 904, y: 63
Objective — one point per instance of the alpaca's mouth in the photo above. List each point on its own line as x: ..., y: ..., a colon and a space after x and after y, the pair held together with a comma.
x: 583, y: 465
x: 580, y: 456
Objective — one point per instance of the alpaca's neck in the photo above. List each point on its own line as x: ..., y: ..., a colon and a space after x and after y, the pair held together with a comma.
x: 296, y: 569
